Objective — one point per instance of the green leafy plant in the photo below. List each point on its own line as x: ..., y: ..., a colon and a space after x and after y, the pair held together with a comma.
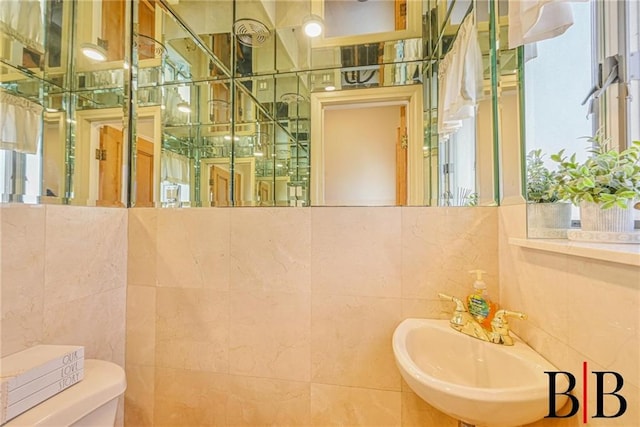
x: 608, y: 177
x: 540, y: 180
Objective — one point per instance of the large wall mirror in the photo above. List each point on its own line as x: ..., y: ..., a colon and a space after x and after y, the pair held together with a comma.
x: 198, y: 104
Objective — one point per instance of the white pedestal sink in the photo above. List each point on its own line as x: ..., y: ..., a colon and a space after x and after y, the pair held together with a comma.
x: 478, y: 382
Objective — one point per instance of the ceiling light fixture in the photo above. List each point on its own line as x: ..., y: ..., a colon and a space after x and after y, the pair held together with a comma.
x: 313, y: 26
x: 93, y: 51
x: 183, y: 107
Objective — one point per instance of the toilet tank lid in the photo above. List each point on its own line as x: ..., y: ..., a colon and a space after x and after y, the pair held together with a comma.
x: 102, y: 382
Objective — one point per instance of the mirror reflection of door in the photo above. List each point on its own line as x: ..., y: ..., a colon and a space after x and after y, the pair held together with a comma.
x: 113, y: 19
x: 365, y: 164
x: 144, y: 173
x: 220, y: 186
x: 110, y: 169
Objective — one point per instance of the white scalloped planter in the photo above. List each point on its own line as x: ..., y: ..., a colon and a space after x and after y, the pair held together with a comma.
x: 615, y: 219
x: 548, y: 220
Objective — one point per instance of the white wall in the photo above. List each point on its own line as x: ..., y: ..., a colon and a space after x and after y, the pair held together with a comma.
x: 347, y: 18
x: 360, y: 161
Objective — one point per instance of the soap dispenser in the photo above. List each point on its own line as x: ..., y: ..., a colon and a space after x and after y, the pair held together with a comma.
x: 479, y: 304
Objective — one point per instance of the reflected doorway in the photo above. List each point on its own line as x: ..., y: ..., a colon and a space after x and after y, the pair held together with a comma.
x: 402, y: 160
x: 365, y: 158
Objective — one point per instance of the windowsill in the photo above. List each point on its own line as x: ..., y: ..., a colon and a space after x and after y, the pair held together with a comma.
x: 619, y: 253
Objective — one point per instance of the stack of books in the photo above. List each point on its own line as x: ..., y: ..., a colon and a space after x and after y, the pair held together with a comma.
x: 31, y: 376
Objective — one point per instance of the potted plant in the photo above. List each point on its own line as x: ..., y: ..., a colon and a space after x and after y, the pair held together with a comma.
x: 545, y: 211
x: 605, y: 186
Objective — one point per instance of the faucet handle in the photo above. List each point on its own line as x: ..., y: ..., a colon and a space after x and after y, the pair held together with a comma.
x: 500, y: 326
x: 501, y: 315
x: 459, y: 304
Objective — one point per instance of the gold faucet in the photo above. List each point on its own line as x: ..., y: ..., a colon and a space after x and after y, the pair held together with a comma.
x: 500, y: 326
x: 464, y: 322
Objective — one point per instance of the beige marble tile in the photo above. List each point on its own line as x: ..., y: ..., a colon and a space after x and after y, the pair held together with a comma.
x: 23, y: 234
x: 19, y: 331
x: 193, y: 248
x: 351, y: 341
x: 418, y: 413
x: 356, y: 251
x: 606, y: 330
x: 96, y: 322
x: 350, y: 406
x: 267, y: 402
x: 553, y: 349
x: 441, y: 245
x: 185, y: 398
x: 270, y: 249
x: 142, y: 246
x: 21, y: 276
x: 513, y: 220
x: 141, y: 325
x: 192, y: 330
x: 427, y: 308
x: 139, y: 396
x: 539, y: 288
x: 85, y: 252
x: 270, y: 335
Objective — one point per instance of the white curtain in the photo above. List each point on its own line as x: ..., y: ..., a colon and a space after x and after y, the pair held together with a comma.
x: 24, y: 21
x: 20, y: 124
x: 536, y: 20
x: 174, y: 168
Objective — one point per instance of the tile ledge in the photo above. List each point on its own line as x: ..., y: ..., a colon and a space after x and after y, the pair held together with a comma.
x: 619, y: 253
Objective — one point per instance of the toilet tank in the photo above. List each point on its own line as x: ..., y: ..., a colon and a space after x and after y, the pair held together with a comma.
x: 92, y: 402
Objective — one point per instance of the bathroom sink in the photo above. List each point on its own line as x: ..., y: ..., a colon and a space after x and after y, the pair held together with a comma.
x: 478, y: 382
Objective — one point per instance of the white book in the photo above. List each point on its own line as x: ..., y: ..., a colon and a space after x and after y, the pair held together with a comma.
x: 19, y: 393
x: 40, y: 396
x: 22, y: 367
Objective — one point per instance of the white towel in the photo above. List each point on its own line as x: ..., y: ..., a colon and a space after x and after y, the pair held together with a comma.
x: 536, y: 20
x: 460, y: 79
x: 23, y: 20
x: 20, y: 124
x: 174, y: 168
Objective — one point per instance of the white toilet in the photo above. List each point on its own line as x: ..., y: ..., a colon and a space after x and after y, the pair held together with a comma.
x: 92, y: 402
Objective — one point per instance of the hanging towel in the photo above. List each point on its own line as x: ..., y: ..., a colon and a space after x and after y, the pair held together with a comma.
x: 174, y: 168
x: 20, y: 124
x: 536, y: 20
x: 23, y: 20
x: 460, y: 79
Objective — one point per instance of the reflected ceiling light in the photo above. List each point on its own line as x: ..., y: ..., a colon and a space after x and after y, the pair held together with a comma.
x: 93, y: 51
x: 330, y: 88
x: 257, y: 153
x: 183, y: 107
x: 313, y: 26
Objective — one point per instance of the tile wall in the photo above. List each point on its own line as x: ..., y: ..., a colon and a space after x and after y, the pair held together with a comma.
x: 63, y: 278
x: 284, y: 316
x: 279, y: 316
x: 579, y: 310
